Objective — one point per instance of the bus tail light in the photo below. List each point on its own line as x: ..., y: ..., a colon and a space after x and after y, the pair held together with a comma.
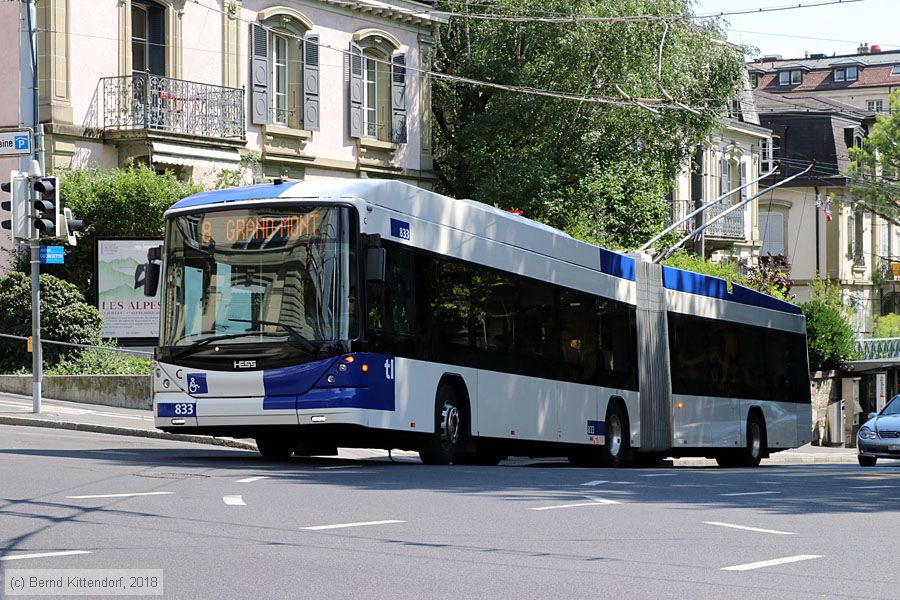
x: 365, y: 368
x: 679, y: 405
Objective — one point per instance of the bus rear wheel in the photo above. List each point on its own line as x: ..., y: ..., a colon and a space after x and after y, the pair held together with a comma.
x: 752, y: 454
x: 442, y: 446
x: 275, y: 447
x: 615, y: 445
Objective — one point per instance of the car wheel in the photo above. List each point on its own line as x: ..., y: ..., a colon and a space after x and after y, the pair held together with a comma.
x: 867, y: 461
x: 275, y: 447
x: 441, y: 446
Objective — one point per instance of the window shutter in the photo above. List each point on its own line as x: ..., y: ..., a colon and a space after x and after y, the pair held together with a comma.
x: 260, y: 75
x: 356, y: 91
x: 771, y: 229
x: 398, y: 98
x: 745, y: 192
x: 725, y: 175
x: 156, y: 38
x: 311, y: 83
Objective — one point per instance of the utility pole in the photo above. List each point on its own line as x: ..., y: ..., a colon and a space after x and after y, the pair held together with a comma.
x: 37, y: 364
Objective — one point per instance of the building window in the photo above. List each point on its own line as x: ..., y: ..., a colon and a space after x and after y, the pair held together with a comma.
x: 852, y: 73
x: 796, y: 77
x: 784, y: 78
x: 376, y: 94
x: 875, y: 105
x: 895, y: 70
x: 148, y: 38
x: 282, y: 109
x: 840, y: 74
x: 754, y: 80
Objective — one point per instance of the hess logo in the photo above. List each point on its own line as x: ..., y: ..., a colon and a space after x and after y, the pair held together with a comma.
x: 245, y: 364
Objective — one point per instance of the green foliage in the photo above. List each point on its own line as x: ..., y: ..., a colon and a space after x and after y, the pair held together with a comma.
x: 886, y: 326
x: 770, y: 276
x: 691, y: 262
x: 94, y: 361
x: 127, y: 202
x: 597, y: 170
x: 829, y: 293
x: 830, y: 337
x: 235, y: 177
x: 875, y: 166
x: 65, y: 317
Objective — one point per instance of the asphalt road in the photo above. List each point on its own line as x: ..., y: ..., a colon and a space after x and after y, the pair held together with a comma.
x: 221, y: 523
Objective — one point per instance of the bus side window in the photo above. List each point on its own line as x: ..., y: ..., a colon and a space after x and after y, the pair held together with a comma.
x: 537, y: 315
x: 614, y: 342
x: 578, y: 344
x: 494, y: 305
x: 400, y: 298
x: 450, y: 304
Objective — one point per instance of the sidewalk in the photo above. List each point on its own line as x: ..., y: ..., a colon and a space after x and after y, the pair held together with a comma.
x: 16, y: 410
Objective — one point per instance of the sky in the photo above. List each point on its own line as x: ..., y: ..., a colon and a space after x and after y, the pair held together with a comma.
x: 837, y: 28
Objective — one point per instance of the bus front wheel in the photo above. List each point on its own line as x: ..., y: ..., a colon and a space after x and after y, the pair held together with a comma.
x: 441, y: 447
x: 275, y: 447
x: 615, y: 445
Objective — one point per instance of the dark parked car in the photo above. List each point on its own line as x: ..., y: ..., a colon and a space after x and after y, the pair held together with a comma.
x: 879, y: 437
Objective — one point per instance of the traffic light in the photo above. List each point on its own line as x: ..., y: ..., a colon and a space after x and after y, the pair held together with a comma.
x: 16, y: 205
x: 68, y: 225
x: 46, y: 206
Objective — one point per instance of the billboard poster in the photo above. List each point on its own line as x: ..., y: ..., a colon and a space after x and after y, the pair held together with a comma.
x: 126, y: 312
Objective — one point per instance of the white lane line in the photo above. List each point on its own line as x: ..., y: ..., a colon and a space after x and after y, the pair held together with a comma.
x: 120, y: 495
x: 749, y: 493
x: 745, y: 528
x: 44, y: 554
x: 360, y: 524
x: 659, y: 475
x: 771, y: 563
x: 234, y: 500
x: 252, y: 479
x: 597, y: 482
x: 593, y: 502
x: 341, y: 467
x: 873, y: 487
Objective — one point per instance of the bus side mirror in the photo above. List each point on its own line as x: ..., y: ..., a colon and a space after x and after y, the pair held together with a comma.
x: 376, y: 259
x: 147, y: 276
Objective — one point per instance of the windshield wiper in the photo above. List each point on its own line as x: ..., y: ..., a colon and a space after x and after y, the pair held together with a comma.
x: 206, y: 341
x: 292, y: 332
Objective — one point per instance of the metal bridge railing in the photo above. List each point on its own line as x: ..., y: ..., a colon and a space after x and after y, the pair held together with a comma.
x: 877, y: 348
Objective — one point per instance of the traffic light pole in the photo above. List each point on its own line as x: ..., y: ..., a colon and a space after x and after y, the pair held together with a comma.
x: 37, y: 365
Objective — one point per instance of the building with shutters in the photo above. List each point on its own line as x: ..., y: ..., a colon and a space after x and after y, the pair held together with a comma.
x: 812, y: 219
x: 730, y: 158
x: 309, y: 88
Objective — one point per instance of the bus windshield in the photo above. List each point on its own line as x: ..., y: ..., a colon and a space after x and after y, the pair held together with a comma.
x: 261, y: 275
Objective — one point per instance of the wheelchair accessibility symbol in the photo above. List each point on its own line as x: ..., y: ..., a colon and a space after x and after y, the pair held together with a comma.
x: 197, y: 383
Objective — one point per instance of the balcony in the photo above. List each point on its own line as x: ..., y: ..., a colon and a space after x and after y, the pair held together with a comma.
x: 141, y: 103
x: 730, y: 227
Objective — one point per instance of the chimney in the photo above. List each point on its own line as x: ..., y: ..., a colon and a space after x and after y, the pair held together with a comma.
x: 863, y: 48
x: 875, y: 49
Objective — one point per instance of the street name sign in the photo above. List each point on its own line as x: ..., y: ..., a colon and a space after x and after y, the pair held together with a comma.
x: 15, y: 142
x: 53, y: 255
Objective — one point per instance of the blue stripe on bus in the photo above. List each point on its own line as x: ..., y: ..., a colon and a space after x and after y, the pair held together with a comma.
x: 252, y: 192
x: 617, y: 265
x: 596, y: 428
x: 373, y: 399
x: 713, y: 287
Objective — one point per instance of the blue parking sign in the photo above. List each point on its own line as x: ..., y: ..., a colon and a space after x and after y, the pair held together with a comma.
x: 53, y: 255
x: 21, y: 142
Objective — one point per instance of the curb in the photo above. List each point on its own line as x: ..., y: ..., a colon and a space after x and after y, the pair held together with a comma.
x: 144, y: 433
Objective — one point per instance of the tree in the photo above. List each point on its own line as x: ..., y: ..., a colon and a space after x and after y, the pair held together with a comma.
x: 599, y: 171
x: 830, y: 337
x: 887, y: 326
x: 875, y: 166
x: 127, y: 202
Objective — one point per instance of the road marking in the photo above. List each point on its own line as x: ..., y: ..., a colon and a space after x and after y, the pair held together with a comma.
x: 598, y: 482
x: 745, y: 528
x: 44, y: 554
x: 120, y: 495
x: 873, y: 487
x: 659, y: 475
x: 342, y: 467
x: 234, y: 500
x: 252, y: 479
x: 749, y: 493
x: 593, y: 502
x: 342, y: 525
x: 771, y: 563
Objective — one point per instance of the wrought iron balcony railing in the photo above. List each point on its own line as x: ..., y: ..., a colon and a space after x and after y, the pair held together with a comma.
x: 140, y: 101
x: 731, y: 226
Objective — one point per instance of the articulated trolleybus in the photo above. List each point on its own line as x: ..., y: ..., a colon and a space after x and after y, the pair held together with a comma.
x: 366, y: 313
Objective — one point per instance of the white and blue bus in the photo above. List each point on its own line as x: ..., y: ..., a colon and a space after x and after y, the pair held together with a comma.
x: 371, y: 313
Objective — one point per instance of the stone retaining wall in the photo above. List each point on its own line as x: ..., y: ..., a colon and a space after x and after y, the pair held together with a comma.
x: 125, y: 391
